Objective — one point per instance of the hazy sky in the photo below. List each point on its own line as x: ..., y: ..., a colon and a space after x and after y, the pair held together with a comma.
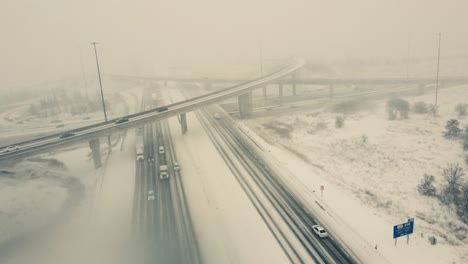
x: 49, y: 39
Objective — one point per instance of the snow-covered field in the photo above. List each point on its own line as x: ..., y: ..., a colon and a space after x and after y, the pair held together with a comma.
x: 370, y: 170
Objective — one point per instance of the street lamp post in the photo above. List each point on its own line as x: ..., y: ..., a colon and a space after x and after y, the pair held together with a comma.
x: 102, y: 93
x: 437, y: 79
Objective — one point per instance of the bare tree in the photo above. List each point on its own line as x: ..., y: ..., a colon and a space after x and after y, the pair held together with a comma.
x: 463, y: 205
x: 453, y: 175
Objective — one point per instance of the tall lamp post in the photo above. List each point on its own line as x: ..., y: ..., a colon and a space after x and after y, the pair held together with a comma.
x: 437, y: 79
x: 102, y: 94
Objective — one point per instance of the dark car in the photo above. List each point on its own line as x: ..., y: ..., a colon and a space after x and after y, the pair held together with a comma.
x: 121, y: 120
x: 59, y: 125
x: 162, y: 109
x: 67, y: 134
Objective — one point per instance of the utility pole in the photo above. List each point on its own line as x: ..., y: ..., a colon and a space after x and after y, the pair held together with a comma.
x: 437, y: 80
x: 261, y: 57
x: 85, y: 82
x: 260, y: 42
x: 408, y: 60
x: 102, y: 94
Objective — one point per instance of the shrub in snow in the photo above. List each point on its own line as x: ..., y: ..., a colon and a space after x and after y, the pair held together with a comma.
x: 453, y: 130
x: 433, y: 109
x: 465, y: 139
x: 426, y: 187
x: 364, y: 138
x: 461, y: 109
x: 339, y: 122
x: 321, y: 125
x: 420, y: 108
x: 348, y: 106
x: 397, y: 105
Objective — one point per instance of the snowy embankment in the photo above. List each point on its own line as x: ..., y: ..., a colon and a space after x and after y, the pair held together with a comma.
x: 370, y: 170
x: 63, y: 210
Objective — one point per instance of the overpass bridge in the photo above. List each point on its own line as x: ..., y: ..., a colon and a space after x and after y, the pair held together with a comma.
x: 294, y: 82
x: 297, y: 81
x: 92, y: 133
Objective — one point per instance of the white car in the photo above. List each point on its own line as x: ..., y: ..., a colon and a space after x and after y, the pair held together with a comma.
x: 11, y: 148
x: 176, y: 166
x: 151, y: 195
x: 217, y: 116
x: 319, y: 231
x: 161, y: 150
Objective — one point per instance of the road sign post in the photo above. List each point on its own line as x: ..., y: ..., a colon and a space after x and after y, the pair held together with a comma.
x: 404, y: 229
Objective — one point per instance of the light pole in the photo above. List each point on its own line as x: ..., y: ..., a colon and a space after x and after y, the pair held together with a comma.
x: 102, y: 94
x: 437, y: 80
x: 408, y: 61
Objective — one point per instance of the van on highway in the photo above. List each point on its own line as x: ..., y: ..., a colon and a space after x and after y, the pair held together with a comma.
x: 163, y: 172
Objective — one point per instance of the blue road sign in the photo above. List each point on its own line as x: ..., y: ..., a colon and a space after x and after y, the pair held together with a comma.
x: 403, y: 229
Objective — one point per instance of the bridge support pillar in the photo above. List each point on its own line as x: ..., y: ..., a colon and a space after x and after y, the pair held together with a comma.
x: 96, y: 153
x: 183, y: 122
x: 280, y: 88
x: 294, y: 84
x: 332, y: 92
x: 245, y: 105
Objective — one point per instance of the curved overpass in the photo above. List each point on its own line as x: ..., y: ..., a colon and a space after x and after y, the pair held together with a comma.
x: 103, y: 129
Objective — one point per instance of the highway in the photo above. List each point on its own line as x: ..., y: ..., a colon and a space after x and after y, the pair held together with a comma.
x: 103, y: 129
x: 162, y: 225
x: 280, y: 209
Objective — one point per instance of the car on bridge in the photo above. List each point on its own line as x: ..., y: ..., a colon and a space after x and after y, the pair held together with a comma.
x: 67, y: 135
x: 121, y: 120
x: 176, y: 166
x: 11, y: 148
x: 151, y: 195
x: 319, y: 231
x: 162, y: 109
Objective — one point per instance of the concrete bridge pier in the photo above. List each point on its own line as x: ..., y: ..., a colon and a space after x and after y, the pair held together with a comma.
x: 183, y: 122
x: 245, y: 105
x: 331, y: 90
x: 280, y: 88
x: 95, y: 149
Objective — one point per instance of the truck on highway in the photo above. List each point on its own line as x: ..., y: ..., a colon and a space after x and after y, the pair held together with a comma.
x: 163, y: 172
x: 139, y: 148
